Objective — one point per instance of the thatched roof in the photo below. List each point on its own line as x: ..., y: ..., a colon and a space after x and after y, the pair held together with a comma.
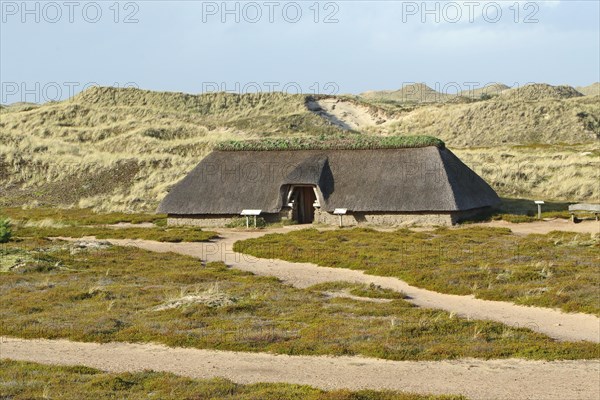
x: 381, y: 180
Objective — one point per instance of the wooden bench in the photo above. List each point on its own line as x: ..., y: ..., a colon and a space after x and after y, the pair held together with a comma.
x: 587, y: 208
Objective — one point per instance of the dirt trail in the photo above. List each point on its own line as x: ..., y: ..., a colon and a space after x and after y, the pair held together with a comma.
x: 554, y: 323
x: 477, y: 379
x: 547, y: 226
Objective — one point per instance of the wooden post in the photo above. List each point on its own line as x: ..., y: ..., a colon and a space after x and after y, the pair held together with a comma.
x: 255, y: 222
x: 247, y: 222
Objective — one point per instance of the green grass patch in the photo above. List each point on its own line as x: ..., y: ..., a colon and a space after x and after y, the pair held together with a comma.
x: 132, y: 295
x: 79, y: 216
x: 25, y: 380
x: 158, y: 234
x: 515, y: 218
x: 558, y: 270
x: 339, y: 142
x: 5, y: 230
x: 13, y: 259
x: 371, y: 291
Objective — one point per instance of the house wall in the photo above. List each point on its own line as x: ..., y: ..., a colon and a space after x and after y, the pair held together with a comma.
x: 323, y: 217
x: 200, y: 220
x: 384, y: 219
x: 215, y: 221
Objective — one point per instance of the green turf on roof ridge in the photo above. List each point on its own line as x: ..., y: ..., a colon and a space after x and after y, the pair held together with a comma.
x: 341, y: 143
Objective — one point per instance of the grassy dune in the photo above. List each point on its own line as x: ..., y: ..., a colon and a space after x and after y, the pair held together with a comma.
x: 502, y: 121
x: 55, y: 290
x: 121, y: 149
x: 547, y: 172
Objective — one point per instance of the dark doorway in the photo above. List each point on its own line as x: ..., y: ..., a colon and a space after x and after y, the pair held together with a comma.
x: 305, y: 209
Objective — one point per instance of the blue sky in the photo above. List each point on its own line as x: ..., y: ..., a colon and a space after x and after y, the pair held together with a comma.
x: 348, y: 47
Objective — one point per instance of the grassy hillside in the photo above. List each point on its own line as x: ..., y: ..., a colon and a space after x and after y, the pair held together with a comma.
x: 591, y: 90
x: 552, y: 172
x: 507, y: 119
x: 487, y: 90
x: 121, y: 149
x: 417, y: 92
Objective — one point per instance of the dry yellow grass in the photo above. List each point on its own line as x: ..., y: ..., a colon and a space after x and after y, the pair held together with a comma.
x: 567, y: 173
x: 591, y: 90
x: 121, y: 149
x: 415, y: 92
x: 502, y: 121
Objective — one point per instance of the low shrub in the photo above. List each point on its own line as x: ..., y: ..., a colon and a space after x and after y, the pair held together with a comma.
x: 158, y: 234
x: 5, y: 230
x: 515, y: 218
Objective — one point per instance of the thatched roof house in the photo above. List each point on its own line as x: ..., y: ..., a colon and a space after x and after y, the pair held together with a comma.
x: 387, y: 181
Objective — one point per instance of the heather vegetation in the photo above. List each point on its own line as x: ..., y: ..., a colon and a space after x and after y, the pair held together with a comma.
x: 24, y: 380
x: 558, y: 270
x: 174, y: 235
x: 41, y: 216
x: 77, y: 223
x: 54, y: 289
x: 5, y: 230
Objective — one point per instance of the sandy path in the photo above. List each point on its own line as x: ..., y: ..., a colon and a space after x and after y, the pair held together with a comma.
x: 547, y: 226
x: 554, y: 323
x: 477, y: 379
x: 348, y: 115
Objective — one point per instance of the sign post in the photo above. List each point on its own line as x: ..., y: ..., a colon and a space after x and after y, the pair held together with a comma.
x: 341, y: 212
x: 248, y: 214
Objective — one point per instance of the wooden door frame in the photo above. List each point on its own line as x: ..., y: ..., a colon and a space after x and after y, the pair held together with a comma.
x: 299, y: 205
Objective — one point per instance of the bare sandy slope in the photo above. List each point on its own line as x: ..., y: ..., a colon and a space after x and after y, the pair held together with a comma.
x: 554, y: 323
x: 477, y: 379
x: 347, y: 114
